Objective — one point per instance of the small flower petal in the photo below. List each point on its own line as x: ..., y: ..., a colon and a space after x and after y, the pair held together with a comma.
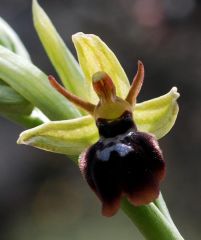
x: 95, y: 56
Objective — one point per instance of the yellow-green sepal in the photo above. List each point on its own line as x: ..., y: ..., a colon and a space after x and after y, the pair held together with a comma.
x: 60, y: 56
x: 68, y: 137
x: 94, y: 56
x: 158, y: 115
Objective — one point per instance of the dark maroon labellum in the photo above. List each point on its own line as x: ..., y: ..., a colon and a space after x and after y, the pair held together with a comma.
x: 124, y: 162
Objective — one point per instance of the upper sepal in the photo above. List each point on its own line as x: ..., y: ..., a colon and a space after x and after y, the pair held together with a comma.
x: 95, y: 56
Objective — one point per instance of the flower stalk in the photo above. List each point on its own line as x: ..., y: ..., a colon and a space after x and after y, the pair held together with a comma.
x: 151, y: 222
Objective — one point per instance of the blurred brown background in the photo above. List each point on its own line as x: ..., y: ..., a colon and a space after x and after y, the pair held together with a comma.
x: 42, y: 195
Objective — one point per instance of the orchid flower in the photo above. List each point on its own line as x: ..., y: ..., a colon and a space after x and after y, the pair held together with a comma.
x: 70, y: 119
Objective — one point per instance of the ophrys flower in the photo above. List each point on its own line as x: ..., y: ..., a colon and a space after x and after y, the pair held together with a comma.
x: 79, y: 132
x: 123, y: 161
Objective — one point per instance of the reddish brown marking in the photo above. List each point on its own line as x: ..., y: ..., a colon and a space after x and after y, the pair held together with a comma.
x: 103, y: 86
x: 144, y: 196
x: 109, y: 210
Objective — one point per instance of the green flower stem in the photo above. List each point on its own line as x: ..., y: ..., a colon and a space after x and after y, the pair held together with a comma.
x: 151, y: 222
x: 160, y: 203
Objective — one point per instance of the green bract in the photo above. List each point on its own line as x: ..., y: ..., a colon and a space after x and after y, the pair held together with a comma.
x: 10, y: 40
x: 11, y: 101
x: 14, y: 106
x: 33, y: 85
x: 61, y: 58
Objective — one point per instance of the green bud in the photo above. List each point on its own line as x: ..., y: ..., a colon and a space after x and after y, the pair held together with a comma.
x: 12, y: 102
x: 31, y: 83
x: 10, y: 40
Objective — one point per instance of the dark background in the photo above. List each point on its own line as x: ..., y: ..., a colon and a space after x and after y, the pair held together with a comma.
x: 42, y: 195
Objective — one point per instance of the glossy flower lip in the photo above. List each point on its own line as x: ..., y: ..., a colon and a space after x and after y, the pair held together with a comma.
x: 129, y: 164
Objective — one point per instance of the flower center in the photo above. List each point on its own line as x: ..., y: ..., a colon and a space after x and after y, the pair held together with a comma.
x: 110, y: 106
x: 117, y: 127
